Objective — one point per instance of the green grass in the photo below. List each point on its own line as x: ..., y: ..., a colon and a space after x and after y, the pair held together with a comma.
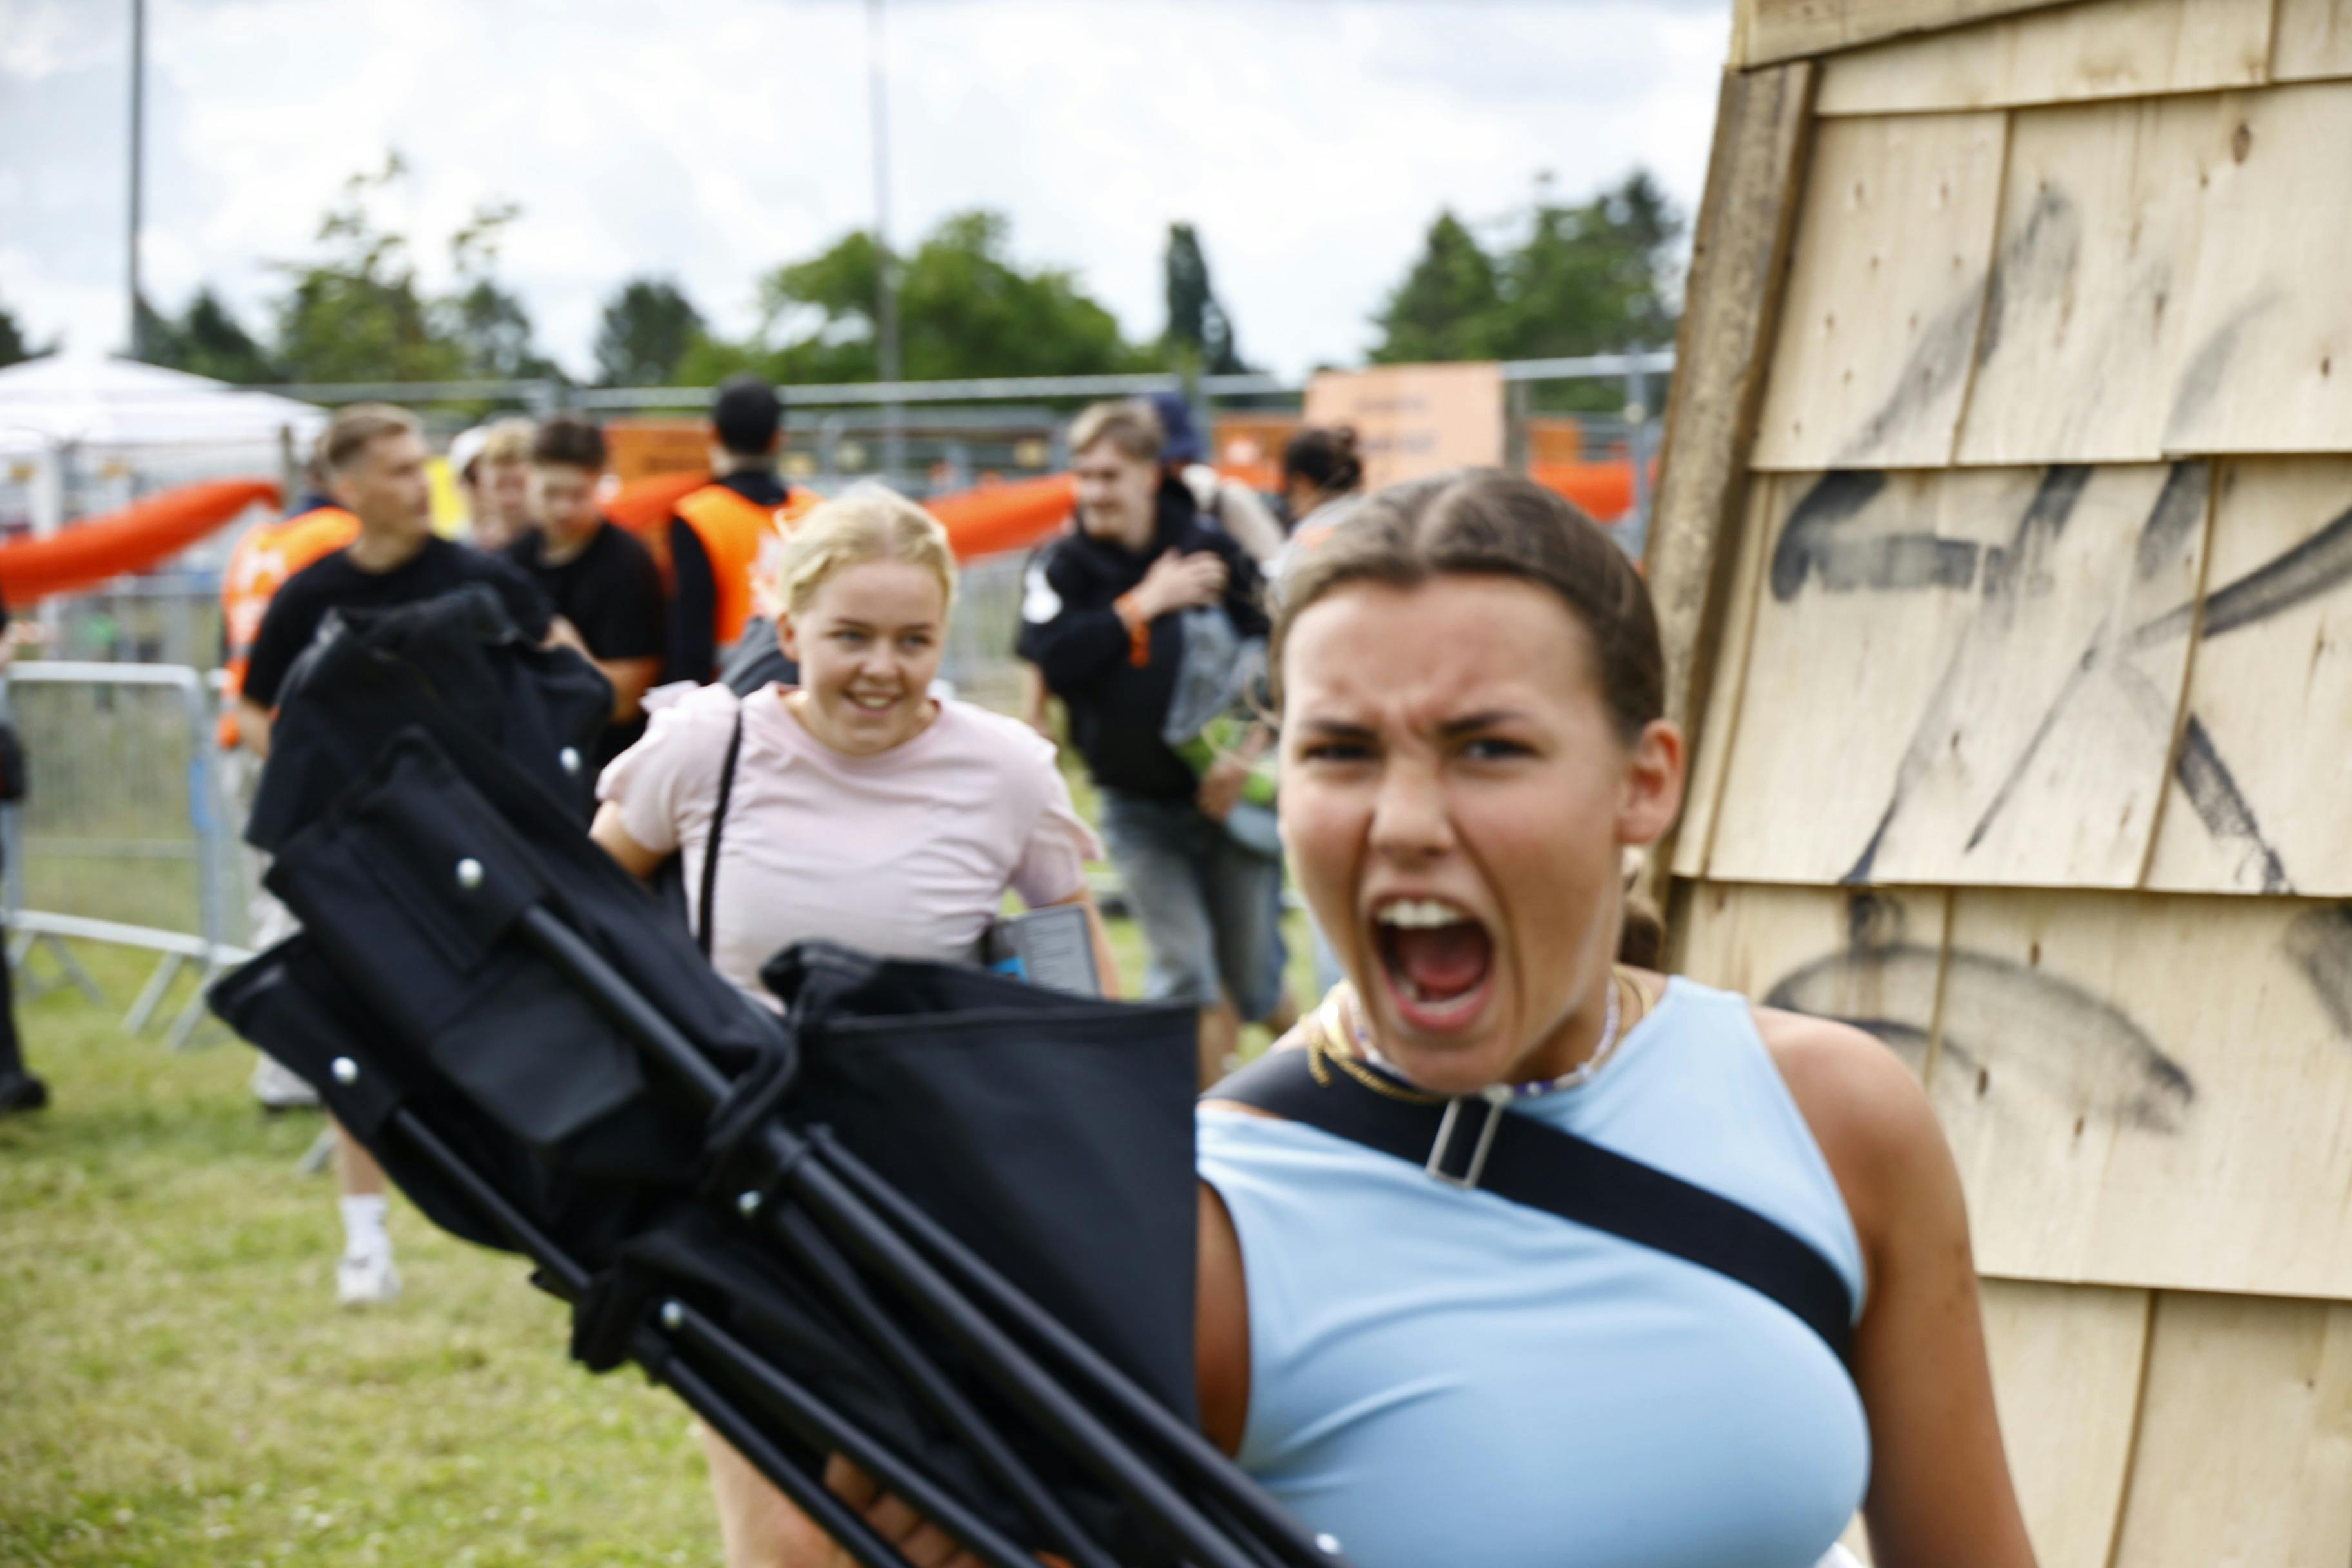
x: 178, y: 1388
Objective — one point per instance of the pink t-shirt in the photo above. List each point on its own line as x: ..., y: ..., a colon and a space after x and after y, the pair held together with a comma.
x: 905, y: 853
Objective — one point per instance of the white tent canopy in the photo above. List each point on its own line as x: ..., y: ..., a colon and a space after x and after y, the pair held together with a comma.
x: 90, y: 400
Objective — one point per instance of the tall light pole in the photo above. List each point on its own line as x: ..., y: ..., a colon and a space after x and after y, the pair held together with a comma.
x: 885, y: 307
x: 138, y: 158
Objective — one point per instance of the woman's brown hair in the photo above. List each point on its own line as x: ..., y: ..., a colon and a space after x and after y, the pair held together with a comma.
x: 1483, y: 523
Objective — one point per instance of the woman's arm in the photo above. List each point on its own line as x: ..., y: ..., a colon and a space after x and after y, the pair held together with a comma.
x: 1939, y: 1489
x: 615, y: 839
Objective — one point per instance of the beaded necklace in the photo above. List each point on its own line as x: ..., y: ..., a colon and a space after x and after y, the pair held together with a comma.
x: 1612, y: 1037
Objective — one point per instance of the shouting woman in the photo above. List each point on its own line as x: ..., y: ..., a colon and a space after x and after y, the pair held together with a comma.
x: 1432, y: 1372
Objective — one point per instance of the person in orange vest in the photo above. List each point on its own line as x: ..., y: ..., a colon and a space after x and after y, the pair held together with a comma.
x: 719, y: 532
x: 266, y: 554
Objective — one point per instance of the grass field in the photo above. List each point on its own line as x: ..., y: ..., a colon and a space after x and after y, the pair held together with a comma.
x: 177, y: 1387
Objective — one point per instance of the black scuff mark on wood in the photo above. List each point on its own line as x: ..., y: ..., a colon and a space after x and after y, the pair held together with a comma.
x: 2316, y: 566
x: 1835, y: 497
x: 2031, y: 749
x: 2045, y: 518
x: 2171, y: 527
x: 2227, y: 815
x: 2039, y: 260
x: 2175, y: 521
x: 1936, y: 362
x: 2071, y: 1047
x: 1968, y: 329
x: 2200, y: 381
x: 2320, y: 945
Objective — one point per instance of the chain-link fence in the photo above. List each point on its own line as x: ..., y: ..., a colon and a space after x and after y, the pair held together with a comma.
x: 121, y: 837
x: 979, y: 661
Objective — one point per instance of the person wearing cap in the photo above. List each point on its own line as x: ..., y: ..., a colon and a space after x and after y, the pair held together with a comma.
x: 719, y: 533
x: 1231, y: 505
x: 492, y: 463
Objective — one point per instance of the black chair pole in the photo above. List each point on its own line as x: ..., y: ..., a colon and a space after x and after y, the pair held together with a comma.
x: 1003, y: 1363
x: 818, y: 1426
x: 813, y: 1251
x: 993, y: 1352
x: 1181, y: 1445
x: 808, y: 1493
x: 654, y: 1353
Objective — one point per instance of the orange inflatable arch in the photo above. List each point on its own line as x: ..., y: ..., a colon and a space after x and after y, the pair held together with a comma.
x: 98, y: 549
x: 991, y: 520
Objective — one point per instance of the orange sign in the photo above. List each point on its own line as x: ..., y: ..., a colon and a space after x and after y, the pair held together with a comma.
x: 1413, y: 420
x: 641, y: 448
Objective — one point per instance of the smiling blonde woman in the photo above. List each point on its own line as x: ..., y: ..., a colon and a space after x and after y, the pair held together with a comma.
x: 863, y: 809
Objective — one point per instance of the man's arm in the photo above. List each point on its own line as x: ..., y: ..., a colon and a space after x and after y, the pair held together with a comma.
x: 1069, y: 646
x: 253, y: 722
x: 1073, y: 647
x: 631, y: 679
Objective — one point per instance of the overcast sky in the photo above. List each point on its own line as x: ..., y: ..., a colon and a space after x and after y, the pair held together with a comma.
x: 1310, y: 141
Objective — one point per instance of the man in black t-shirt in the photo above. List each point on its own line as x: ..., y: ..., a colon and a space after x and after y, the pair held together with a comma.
x: 373, y: 457
x: 599, y: 579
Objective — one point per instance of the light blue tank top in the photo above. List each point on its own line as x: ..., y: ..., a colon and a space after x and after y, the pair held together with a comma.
x: 1443, y: 1377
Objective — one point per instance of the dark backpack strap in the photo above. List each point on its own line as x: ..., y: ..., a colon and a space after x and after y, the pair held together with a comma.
x: 718, y: 833
x: 1475, y: 1142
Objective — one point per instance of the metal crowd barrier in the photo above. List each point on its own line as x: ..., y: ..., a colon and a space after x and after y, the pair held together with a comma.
x: 121, y: 836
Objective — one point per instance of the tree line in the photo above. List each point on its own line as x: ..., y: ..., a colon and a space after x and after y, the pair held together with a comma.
x: 1552, y: 278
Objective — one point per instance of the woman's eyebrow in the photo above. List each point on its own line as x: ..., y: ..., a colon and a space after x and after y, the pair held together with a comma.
x: 1337, y: 729
x: 1486, y: 718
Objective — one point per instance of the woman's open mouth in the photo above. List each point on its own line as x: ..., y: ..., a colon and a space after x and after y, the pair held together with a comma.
x: 1438, y: 959
x: 873, y: 703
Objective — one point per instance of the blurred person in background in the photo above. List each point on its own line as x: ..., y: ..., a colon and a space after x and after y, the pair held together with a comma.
x: 1322, y: 485
x: 19, y: 1090
x: 265, y: 556
x: 720, y: 532
x: 1102, y: 614
x: 857, y: 808
x: 372, y: 456
x: 599, y: 579
x: 1228, y: 504
x: 492, y: 463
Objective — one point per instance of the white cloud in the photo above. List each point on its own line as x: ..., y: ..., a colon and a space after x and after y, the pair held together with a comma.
x: 1311, y: 141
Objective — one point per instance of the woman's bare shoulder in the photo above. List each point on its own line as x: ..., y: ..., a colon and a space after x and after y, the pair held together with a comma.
x: 1869, y: 1114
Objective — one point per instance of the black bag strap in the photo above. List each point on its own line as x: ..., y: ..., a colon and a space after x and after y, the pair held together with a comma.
x: 718, y: 833
x: 1473, y: 1142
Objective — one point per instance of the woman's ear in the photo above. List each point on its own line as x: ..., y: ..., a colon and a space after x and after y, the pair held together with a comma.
x: 788, y: 636
x: 1653, y: 784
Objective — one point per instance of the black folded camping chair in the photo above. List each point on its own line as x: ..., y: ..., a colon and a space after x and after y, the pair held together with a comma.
x: 932, y: 1219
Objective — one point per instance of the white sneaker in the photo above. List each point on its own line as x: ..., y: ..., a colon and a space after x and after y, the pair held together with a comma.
x: 366, y: 1279
x: 280, y: 1087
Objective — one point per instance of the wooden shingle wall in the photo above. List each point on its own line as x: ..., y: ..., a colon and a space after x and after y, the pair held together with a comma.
x: 2004, y: 546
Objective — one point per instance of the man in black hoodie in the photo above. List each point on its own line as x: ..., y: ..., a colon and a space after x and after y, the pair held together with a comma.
x: 1102, y: 619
